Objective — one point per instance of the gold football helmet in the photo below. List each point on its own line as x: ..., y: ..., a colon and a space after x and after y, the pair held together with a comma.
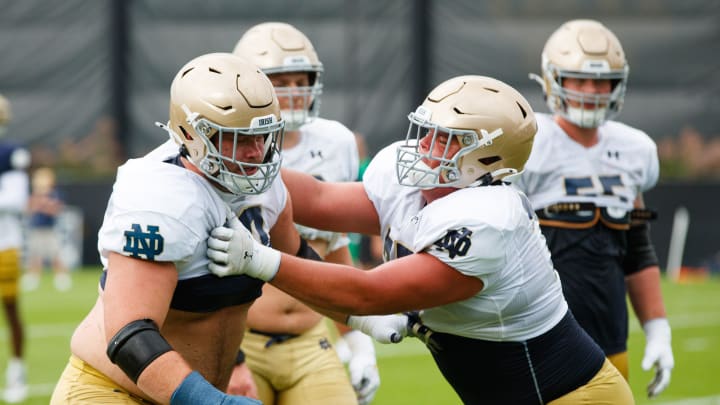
x: 221, y: 95
x: 491, y: 122
x: 583, y: 49
x: 5, y: 114
x: 281, y: 48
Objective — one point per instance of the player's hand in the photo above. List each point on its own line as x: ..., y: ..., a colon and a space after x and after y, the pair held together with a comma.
x: 241, y: 382
x: 233, y: 251
x: 362, y: 365
x: 658, y: 354
x: 383, y: 328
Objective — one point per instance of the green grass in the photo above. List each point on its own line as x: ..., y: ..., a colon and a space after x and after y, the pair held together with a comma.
x: 408, y: 373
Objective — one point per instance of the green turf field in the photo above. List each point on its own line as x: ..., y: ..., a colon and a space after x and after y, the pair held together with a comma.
x: 407, y: 371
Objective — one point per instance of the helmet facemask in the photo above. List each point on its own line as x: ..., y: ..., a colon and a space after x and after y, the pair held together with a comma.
x: 412, y: 168
x: 586, y: 110
x: 303, y: 105
x: 247, y: 178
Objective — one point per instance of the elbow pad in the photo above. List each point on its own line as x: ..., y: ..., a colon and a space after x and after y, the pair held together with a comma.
x: 135, y: 346
x: 640, y: 251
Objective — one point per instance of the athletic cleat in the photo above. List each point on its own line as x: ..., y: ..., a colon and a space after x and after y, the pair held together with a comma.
x: 16, y: 388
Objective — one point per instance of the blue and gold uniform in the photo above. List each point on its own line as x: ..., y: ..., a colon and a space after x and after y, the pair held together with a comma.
x: 584, y: 198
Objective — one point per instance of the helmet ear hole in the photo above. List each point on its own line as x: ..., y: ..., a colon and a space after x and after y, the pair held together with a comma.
x: 186, y: 134
x: 487, y: 161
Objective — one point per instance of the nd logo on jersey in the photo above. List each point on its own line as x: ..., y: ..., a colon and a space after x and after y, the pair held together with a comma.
x: 148, y: 244
x: 455, y: 242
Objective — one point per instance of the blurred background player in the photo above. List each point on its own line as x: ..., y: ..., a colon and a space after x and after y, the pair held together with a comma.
x: 14, y: 190
x: 287, y: 345
x: 585, y: 179
x: 44, y: 239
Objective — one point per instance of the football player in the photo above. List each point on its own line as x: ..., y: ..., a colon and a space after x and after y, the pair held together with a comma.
x: 14, y: 194
x: 585, y: 179
x: 461, y: 245
x: 286, y: 346
x: 164, y: 329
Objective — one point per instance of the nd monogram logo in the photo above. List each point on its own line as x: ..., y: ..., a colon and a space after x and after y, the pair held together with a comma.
x: 149, y: 244
x: 455, y: 242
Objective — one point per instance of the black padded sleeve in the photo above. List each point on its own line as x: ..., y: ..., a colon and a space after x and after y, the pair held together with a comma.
x: 135, y: 346
x: 640, y: 250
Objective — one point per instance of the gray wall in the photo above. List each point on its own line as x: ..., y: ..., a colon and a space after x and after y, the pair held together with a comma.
x: 60, y: 59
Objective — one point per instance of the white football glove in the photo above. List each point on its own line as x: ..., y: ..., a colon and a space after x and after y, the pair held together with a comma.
x: 658, y: 353
x: 362, y: 365
x: 233, y: 251
x: 383, y: 328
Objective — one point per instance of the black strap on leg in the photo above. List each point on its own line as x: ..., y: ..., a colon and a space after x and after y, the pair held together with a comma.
x: 135, y: 346
x: 307, y: 252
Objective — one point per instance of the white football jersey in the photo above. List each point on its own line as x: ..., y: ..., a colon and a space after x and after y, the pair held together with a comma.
x: 485, y: 232
x: 327, y: 150
x: 14, y: 194
x: 163, y: 212
x: 610, y: 174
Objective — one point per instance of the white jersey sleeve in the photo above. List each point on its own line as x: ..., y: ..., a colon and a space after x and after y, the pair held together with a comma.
x: 490, y: 233
x: 150, y: 215
x: 380, y: 182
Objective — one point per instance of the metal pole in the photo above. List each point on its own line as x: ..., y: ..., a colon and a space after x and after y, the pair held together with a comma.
x: 119, y: 73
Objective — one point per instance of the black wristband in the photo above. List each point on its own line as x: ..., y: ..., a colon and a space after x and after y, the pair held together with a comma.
x: 240, y: 358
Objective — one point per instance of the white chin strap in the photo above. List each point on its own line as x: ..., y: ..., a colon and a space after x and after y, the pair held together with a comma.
x: 586, y: 118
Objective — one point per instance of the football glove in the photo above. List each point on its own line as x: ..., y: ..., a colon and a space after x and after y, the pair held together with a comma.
x: 362, y: 365
x: 233, y: 251
x: 658, y: 354
x: 383, y: 328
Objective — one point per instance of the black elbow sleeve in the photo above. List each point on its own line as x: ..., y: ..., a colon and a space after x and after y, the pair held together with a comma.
x: 135, y: 346
x: 640, y: 250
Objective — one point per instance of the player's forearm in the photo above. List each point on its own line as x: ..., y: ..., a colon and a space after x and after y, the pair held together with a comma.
x: 162, y: 377
x: 330, y: 288
x: 315, y: 204
x: 645, y: 294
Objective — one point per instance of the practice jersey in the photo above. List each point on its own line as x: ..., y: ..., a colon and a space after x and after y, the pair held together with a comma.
x: 485, y: 232
x: 160, y: 211
x: 588, y: 247
x: 609, y: 174
x: 14, y: 193
x: 327, y: 150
